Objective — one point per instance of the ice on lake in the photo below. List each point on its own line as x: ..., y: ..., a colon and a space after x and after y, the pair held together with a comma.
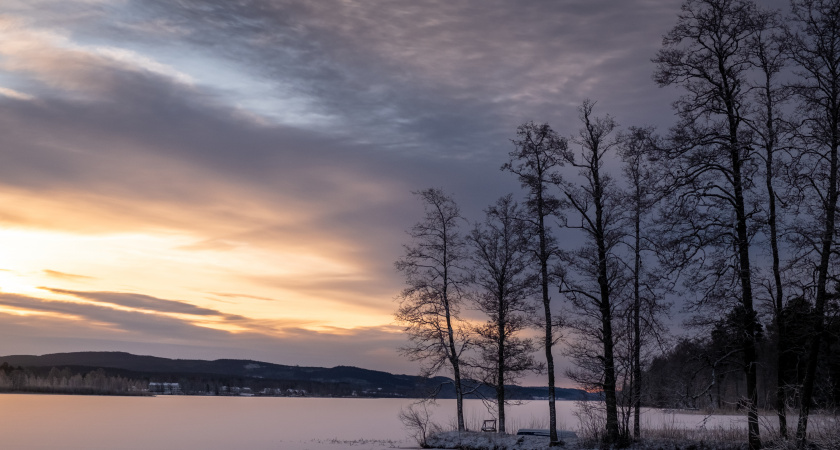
x: 258, y: 423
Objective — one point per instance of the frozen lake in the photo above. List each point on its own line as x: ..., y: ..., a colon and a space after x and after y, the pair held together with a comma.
x: 245, y: 423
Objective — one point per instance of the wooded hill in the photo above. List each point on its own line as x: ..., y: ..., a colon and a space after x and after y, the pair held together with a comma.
x: 26, y: 372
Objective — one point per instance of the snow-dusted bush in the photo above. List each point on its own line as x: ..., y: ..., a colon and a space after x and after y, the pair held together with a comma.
x: 417, y: 420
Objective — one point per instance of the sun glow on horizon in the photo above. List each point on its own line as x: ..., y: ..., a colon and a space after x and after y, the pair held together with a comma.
x: 41, y: 263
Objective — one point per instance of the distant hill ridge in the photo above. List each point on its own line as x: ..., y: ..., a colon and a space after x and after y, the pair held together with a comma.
x: 229, y: 367
x: 154, y: 367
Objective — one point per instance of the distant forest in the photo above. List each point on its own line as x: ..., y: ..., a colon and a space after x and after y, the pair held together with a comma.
x: 118, y: 373
x: 109, y: 381
x: 707, y: 373
x: 67, y: 381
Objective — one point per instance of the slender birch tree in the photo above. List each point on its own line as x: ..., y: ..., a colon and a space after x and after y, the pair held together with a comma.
x: 814, y: 39
x: 501, y: 271
x: 767, y: 47
x: 706, y: 54
x: 539, y: 152
x: 635, y: 148
x: 597, y: 278
x: 434, y: 269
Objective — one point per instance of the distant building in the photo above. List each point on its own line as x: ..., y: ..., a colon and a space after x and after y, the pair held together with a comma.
x: 165, y: 388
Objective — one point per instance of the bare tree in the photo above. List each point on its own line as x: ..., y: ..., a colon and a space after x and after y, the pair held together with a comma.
x: 538, y: 154
x: 635, y: 148
x: 767, y: 47
x: 418, y: 420
x: 502, y: 272
x: 815, y: 50
x: 595, y: 286
x: 706, y: 54
x: 433, y: 267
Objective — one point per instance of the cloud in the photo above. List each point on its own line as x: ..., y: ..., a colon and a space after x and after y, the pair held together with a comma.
x: 104, y: 318
x: 232, y: 295
x: 70, y: 326
x: 140, y: 302
x: 67, y: 276
x: 438, y: 73
x: 276, y: 143
x: 11, y: 93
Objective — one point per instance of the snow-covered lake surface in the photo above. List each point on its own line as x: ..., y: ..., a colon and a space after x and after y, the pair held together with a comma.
x: 245, y: 423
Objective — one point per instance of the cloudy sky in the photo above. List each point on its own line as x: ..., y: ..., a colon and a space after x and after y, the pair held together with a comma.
x: 220, y: 178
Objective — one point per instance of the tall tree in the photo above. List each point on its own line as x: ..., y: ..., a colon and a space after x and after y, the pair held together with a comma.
x: 537, y: 156
x: 815, y: 50
x: 635, y: 148
x: 706, y: 54
x: 433, y: 267
x: 768, y: 55
x: 596, y: 285
x: 506, y: 285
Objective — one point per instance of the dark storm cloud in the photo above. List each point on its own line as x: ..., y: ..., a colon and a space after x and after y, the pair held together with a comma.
x: 438, y: 75
x: 422, y: 76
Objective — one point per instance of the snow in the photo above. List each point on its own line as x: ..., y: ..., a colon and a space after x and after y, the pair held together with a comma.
x: 487, y: 441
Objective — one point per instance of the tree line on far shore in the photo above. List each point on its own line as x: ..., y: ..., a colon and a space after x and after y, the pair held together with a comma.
x: 79, y: 380
x: 732, y: 211
x: 67, y: 381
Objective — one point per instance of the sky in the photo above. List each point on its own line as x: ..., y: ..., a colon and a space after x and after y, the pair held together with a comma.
x: 233, y: 179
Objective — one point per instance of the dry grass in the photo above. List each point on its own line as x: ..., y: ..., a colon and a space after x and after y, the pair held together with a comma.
x: 823, y: 433
x: 662, y: 435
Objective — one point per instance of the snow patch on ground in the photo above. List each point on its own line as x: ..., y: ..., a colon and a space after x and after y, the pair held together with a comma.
x: 468, y: 440
x: 493, y: 441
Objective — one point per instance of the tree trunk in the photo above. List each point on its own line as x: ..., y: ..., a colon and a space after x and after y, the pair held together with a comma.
x: 610, y: 400
x: 455, y: 361
x: 749, y: 326
x: 822, y: 278
x: 500, y: 383
x: 459, y: 392
x: 778, y: 303
x: 549, y: 335
x: 637, y: 304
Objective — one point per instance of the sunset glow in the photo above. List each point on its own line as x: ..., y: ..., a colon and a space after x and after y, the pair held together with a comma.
x: 240, y: 186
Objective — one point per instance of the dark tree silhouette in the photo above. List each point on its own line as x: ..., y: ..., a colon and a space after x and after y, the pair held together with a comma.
x: 706, y: 54
x: 535, y: 160
x: 767, y: 48
x: 501, y: 270
x: 433, y: 267
x: 635, y: 149
x: 814, y: 39
x: 597, y: 278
